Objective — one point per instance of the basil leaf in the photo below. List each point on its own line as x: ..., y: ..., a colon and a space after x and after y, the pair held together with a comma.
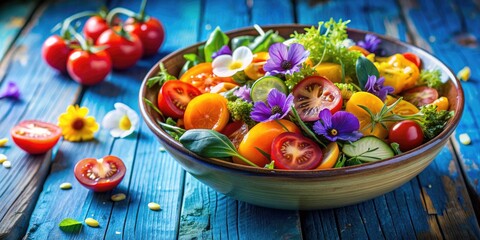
x: 262, y: 43
x: 364, y: 69
x: 207, y: 143
x: 216, y: 40
x: 242, y: 41
x: 70, y: 225
x: 191, y: 57
x: 210, y: 143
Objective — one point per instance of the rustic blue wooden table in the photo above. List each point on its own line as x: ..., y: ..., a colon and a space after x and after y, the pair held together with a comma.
x: 442, y: 202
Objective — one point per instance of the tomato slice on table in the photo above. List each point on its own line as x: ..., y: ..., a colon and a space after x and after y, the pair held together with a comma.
x: 313, y: 94
x: 201, y: 76
x: 35, y: 137
x: 293, y: 151
x: 101, y: 174
x: 174, y: 97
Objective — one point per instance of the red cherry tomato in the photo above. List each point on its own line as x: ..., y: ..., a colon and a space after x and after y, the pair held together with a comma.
x: 420, y: 96
x: 35, y: 137
x: 295, y: 152
x: 94, y: 27
x: 174, y: 97
x: 55, y: 51
x: 151, y: 33
x: 408, y: 134
x: 100, y: 175
x: 123, y: 51
x: 89, y: 68
x: 313, y: 94
x: 412, y: 57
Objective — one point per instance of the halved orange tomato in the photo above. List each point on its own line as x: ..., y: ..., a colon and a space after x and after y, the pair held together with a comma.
x: 255, y: 69
x: 330, y: 156
x: 207, y: 111
x: 201, y: 76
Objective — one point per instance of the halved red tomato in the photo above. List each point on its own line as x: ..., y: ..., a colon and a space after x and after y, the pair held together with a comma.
x: 100, y: 175
x: 420, y: 96
x: 201, y: 76
x: 174, y: 97
x: 295, y: 152
x: 35, y: 137
x: 313, y: 94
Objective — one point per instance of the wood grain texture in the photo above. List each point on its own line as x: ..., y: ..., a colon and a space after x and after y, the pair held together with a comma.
x: 39, y: 88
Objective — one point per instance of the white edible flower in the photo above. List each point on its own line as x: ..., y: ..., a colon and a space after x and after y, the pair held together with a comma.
x: 227, y: 66
x: 122, y: 121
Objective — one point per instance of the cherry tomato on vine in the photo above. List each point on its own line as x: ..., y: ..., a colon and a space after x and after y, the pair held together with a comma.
x: 88, y: 67
x: 408, y: 134
x: 174, y: 97
x: 150, y: 32
x: 100, y: 175
x: 313, y: 94
x: 124, y: 49
x: 55, y: 51
x: 293, y: 151
x: 94, y: 27
x: 35, y: 137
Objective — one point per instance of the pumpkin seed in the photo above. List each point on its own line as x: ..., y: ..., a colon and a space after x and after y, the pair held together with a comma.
x: 3, y: 141
x: 91, y: 222
x: 3, y: 158
x: 7, y: 164
x: 154, y: 206
x: 66, y: 186
x: 118, y: 197
x: 465, y: 139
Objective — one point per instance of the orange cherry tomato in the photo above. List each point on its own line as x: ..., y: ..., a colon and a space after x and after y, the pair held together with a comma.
x: 442, y: 103
x: 412, y: 57
x: 207, y: 111
x: 374, y: 104
x: 201, y: 76
x: 363, y: 51
x: 261, y: 136
x: 330, y: 156
x: 403, y: 107
x: 255, y: 69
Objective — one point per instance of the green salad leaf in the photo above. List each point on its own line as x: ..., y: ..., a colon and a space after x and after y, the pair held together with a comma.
x: 217, y: 40
x: 365, y: 68
x: 70, y: 225
x: 161, y: 78
x: 431, y: 78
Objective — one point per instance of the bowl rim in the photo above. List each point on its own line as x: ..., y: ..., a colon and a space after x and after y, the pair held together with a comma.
x: 400, y: 159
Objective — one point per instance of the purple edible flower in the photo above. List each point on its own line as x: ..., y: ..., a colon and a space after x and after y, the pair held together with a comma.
x: 375, y: 87
x: 341, y: 126
x: 225, y: 50
x: 243, y: 92
x: 277, y: 107
x: 283, y: 61
x: 370, y: 43
x: 12, y: 91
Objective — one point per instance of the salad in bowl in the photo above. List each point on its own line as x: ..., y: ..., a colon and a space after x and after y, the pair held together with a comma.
x: 297, y: 117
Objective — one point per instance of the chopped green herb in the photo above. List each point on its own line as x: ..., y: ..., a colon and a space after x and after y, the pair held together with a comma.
x: 70, y: 225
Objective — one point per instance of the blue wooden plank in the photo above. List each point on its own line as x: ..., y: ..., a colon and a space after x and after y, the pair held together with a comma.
x: 13, y: 16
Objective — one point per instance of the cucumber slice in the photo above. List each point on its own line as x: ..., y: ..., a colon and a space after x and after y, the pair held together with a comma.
x: 368, y: 149
x: 263, y: 85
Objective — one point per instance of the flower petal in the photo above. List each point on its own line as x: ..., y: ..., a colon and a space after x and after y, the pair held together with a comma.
x: 345, y: 122
x: 275, y: 98
x: 222, y: 61
x: 326, y: 117
x: 260, y: 112
x: 278, y: 52
x: 296, y: 54
x: 244, y: 55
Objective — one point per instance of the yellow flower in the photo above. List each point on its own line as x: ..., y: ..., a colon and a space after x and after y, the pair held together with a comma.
x: 76, y: 125
x: 464, y: 74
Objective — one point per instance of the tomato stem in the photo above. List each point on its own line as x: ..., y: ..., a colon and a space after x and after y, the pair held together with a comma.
x: 66, y: 24
x: 141, y: 17
x: 119, y: 10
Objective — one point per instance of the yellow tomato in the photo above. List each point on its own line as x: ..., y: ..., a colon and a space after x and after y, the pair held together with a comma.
x: 403, y: 107
x: 442, y: 103
x: 261, y: 136
x: 330, y: 156
x: 255, y: 69
x: 331, y: 71
x: 374, y: 104
x: 399, y: 72
x: 201, y: 76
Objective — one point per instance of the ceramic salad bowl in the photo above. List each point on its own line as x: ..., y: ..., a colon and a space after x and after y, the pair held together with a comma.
x: 306, y: 189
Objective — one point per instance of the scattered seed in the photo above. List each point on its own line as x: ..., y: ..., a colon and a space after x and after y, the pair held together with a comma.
x: 429, y: 185
x: 154, y: 206
x: 464, y: 74
x: 118, y: 197
x: 465, y: 139
x: 66, y: 186
x: 3, y: 158
x: 7, y: 164
x: 3, y: 142
x: 162, y: 149
x: 118, y: 233
x: 91, y: 222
